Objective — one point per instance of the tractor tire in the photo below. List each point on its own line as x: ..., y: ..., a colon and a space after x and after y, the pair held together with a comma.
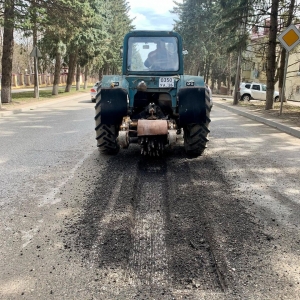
x: 196, y: 135
x: 195, y: 139
x: 106, y: 135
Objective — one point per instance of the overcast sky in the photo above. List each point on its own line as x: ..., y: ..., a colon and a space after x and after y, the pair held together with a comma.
x: 152, y: 14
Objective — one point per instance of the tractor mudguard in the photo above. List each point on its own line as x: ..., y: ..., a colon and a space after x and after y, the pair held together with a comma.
x: 113, y: 105
x: 192, y: 108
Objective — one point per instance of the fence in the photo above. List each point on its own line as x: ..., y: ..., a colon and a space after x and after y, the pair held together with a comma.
x: 19, y: 80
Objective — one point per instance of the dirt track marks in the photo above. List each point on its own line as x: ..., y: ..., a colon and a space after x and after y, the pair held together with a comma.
x: 149, y: 258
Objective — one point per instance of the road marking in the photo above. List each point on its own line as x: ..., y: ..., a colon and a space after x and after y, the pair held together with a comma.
x: 50, y: 198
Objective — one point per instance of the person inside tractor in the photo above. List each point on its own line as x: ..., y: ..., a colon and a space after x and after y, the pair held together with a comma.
x: 158, y: 57
x: 164, y: 57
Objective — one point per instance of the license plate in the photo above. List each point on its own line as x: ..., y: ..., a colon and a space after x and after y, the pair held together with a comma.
x: 166, y: 82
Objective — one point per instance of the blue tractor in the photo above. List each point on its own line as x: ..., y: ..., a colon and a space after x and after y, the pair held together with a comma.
x: 152, y: 101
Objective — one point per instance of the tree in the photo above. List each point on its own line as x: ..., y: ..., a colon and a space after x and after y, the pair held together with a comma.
x: 208, y: 39
x: 86, y: 33
x: 8, y: 45
x: 58, y: 29
x: 267, y: 15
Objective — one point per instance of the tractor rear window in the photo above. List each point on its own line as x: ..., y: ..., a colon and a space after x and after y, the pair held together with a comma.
x: 152, y: 54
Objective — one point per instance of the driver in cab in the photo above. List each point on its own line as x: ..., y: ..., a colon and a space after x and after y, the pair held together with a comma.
x: 163, y: 58
x: 157, y: 57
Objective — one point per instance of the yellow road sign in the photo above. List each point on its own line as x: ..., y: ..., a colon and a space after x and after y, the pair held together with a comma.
x: 290, y: 37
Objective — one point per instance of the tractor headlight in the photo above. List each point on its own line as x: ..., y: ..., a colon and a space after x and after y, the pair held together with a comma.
x: 115, y: 83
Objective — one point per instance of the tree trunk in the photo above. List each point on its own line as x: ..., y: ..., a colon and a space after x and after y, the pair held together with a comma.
x: 86, y: 71
x: 208, y: 69
x: 219, y: 84
x: 212, y: 86
x: 271, y: 57
x: 205, y: 68
x: 56, y: 72
x: 78, y: 78
x: 100, y: 74
x: 72, y: 66
x: 8, y: 47
x: 229, y: 76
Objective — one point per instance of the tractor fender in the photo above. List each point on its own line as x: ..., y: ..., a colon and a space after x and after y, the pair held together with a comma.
x: 192, y: 105
x: 111, y: 102
x: 193, y: 100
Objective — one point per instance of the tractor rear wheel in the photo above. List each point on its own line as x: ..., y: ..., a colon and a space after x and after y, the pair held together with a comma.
x: 196, y: 135
x: 195, y: 139
x: 106, y: 135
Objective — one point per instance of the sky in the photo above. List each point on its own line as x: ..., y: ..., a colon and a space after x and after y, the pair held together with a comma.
x: 152, y: 14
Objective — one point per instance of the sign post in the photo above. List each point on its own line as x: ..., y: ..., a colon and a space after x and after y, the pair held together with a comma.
x: 35, y: 53
x: 289, y: 39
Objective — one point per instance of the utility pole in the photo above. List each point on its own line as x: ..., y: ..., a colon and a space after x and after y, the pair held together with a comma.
x: 35, y: 62
x: 237, y: 93
x: 35, y: 53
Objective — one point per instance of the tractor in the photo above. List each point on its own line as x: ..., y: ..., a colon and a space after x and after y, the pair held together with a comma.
x: 153, y: 100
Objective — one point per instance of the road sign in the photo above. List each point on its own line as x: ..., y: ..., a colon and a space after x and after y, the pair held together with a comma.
x: 35, y: 52
x: 289, y: 38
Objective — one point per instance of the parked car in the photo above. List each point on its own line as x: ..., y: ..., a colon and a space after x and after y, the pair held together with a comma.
x: 255, y: 91
x: 210, y: 93
x: 95, y: 90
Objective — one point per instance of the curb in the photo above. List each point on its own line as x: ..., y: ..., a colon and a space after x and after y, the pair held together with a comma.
x: 295, y: 131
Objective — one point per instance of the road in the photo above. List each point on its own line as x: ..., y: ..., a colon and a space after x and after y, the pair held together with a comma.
x: 80, y: 225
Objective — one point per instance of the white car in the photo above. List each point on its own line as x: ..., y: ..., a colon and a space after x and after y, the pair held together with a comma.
x: 95, y: 90
x: 255, y: 91
x: 210, y: 93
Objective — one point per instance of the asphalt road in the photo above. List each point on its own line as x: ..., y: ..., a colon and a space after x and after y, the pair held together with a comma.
x: 80, y: 225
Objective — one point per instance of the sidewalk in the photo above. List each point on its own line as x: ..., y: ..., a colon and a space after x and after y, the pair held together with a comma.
x: 18, y: 108
x: 225, y: 102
